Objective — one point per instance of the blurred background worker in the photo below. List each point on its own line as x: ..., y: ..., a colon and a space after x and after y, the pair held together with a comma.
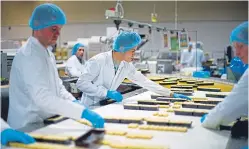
x: 186, y: 55
x: 235, y: 104
x: 36, y: 91
x: 75, y: 64
x: 197, y: 57
x: 105, y: 72
x: 10, y: 135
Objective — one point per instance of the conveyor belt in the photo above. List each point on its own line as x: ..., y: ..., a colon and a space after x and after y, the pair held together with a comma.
x: 224, y: 85
x: 175, y: 140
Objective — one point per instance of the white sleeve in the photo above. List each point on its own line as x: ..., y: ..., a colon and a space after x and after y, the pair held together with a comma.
x: 139, y: 79
x: 39, y: 90
x: 4, y: 125
x: 234, y: 106
x: 71, y: 68
x: 64, y: 93
x: 85, y: 81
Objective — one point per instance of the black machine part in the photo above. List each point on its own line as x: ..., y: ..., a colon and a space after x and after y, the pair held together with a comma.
x: 240, y: 129
x: 48, y: 121
x: 90, y: 137
x: 117, y: 23
x: 123, y: 89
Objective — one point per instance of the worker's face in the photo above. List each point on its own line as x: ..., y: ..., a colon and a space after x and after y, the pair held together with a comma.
x: 49, y: 35
x: 80, y: 52
x: 129, y: 55
x: 241, y: 51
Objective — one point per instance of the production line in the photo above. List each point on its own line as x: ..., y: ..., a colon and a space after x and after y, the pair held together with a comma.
x: 173, y: 134
x: 176, y: 121
x: 153, y: 113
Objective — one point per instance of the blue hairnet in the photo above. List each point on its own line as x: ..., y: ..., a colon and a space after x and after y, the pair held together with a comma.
x: 240, y: 33
x: 76, y: 47
x: 125, y: 41
x: 46, y: 15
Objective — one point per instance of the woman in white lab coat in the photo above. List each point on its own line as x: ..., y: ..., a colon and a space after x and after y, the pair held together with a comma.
x: 186, y: 55
x: 197, y: 56
x: 36, y: 91
x: 10, y: 135
x: 235, y: 104
x: 104, y: 72
x: 75, y: 64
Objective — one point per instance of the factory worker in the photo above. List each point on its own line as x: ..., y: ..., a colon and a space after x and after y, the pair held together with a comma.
x: 235, y: 104
x: 36, y: 91
x: 10, y: 135
x: 186, y: 54
x: 197, y: 56
x: 75, y: 64
x: 104, y: 72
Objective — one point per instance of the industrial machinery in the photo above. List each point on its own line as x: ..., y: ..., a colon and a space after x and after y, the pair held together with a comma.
x: 6, y: 63
x: 165, y: 61
x: 4, y: 68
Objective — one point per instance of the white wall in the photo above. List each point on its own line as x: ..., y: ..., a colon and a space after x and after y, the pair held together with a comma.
x: 93, y: 11
x: 214, y: 34
x: 213, y: 20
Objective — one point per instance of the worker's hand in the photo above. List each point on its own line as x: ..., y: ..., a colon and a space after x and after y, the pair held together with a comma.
x: 96, y: 120
x: 114, y: 95
x: 203, y: 118
x: 78, y: 102
x: 11, y: 135
x: 181, y: 96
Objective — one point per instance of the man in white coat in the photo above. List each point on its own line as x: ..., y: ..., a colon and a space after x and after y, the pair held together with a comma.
x: 36, y: 91
x: 235, y: 104
x: 75, y: 64
x: 197, y: 56
x: 186, y: 55
x: 104, y: 72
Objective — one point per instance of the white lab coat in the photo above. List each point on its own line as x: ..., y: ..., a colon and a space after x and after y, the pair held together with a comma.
x: 185, y: 56
x: 73, y: 67
x: 233, y: 106
x: 4, y: 125
x: 197, y: 57
x: 36, y: 91
x: 99, y: 77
